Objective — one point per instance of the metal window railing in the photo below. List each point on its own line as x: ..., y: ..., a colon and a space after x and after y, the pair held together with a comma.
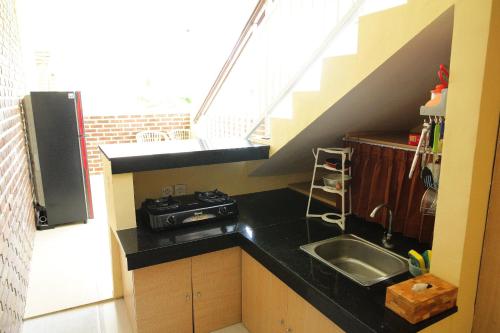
x: 281, y: 41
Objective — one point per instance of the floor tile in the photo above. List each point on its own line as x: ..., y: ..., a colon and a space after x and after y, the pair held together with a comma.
x: 238, y: 328
x: 71, y: 264
x: 108, y: 317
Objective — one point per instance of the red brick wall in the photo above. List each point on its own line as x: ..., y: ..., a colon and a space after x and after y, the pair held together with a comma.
x: 17, y: 221
x: 122, y: 129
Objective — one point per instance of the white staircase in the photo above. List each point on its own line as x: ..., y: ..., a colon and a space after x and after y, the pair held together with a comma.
x: 379, y: 87
x: 282, y: 54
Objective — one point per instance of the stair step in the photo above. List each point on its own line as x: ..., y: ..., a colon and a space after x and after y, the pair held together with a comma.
x: 280, y: 133
x: 378, y: 40
x: 303, y: 102
x: 338, y: 73
x: 412, y: 17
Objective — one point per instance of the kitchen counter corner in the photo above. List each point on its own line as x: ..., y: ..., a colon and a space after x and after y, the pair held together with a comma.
x: 271, y: 228
x: 135, y: 157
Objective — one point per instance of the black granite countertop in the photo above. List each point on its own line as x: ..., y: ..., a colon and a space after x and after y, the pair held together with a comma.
x: 134, y: 157
x: 270, y: 228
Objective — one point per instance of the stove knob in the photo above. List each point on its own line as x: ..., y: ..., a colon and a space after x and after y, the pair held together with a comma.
x: 171, y: 220
x: 223, y: 210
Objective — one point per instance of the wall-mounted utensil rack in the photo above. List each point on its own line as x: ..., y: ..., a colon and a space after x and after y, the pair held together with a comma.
x: 395, y: 140
x: 438, y: 110
x: 332, y: 217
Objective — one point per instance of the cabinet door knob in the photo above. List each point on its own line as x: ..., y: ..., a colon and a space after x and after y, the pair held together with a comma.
x: 198, y: 294
x: 188, y: 296
x: 282, y: 321
x: 289, y: 330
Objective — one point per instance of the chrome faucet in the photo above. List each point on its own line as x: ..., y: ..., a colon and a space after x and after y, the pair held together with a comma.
x: 386, y: 240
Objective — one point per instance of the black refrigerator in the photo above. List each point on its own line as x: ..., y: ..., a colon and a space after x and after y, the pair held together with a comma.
x: 56, y: 137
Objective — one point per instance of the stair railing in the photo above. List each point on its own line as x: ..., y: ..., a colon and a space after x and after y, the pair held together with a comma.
x: 280, y: 42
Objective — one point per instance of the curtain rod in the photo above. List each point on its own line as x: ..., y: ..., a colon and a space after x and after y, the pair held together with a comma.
x: 358, y: 140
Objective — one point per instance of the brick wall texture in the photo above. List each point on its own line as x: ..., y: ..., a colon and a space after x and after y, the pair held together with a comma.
x: 123, y: 128
x: 17, y: 228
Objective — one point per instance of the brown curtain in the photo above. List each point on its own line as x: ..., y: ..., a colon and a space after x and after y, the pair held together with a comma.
x: 380, y: 175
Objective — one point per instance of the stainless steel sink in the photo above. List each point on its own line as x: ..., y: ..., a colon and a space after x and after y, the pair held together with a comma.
x: 358, y: 259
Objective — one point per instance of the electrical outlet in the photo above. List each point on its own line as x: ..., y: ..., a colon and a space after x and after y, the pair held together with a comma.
x: 167, y: 190
x: 180, y: 189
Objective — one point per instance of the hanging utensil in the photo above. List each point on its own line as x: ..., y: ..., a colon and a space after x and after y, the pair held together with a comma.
x: 424, y: 152
x: 428, y: 203
x: 437, y: 134
x: 425, y: 129
x: 425, y: 172
x: 441, y: 134
x: 436, y: 170
x: 431, y: 133
x: 427, y: 177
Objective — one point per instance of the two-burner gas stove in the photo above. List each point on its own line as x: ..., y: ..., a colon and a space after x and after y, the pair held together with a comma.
x: 168, y: 212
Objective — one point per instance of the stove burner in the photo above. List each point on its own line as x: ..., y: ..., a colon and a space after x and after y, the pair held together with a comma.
x: 214, y: 196
x: 165, y: 204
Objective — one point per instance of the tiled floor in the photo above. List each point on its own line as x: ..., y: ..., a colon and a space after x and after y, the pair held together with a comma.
x: 238, y: 328
x: 71, y: 264
x: 108, y: 317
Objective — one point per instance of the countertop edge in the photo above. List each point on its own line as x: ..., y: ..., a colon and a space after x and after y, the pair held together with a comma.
x: 186, y: 159
x: 179, y: 245
x: 345, y: 320
x: 162, y: 255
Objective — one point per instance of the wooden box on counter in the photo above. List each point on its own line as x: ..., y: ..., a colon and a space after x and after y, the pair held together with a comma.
x: 416, y: 306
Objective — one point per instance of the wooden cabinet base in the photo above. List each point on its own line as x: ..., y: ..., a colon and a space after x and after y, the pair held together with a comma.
x: 163, y: 298
x: 128, y: 291
x: 269, y: 306
x: 214, y: 290
x: 201, y: 293
x: 262, y: 298
x: 216, y: 280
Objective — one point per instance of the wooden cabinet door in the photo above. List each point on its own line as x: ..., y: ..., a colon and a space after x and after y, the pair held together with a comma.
x: 252, y: 297
x: 275, y: 304
x: 296, y: 307
x: 163, y: 298
x: 269, y: 306
x: 216, y: 278
x: 302, y: 317
x: 263, y: 298
x: 315, y: 321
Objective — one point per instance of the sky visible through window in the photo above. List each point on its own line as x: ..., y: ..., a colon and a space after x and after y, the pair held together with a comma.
x: 130, y: 56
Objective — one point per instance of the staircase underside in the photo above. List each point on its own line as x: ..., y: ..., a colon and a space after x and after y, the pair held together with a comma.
x: 388, y: 99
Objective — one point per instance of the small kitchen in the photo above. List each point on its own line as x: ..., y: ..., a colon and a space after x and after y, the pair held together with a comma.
x: 272, y: 268
x: 278, y: 253
x: 208, y: 233
x: 335, y: 170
